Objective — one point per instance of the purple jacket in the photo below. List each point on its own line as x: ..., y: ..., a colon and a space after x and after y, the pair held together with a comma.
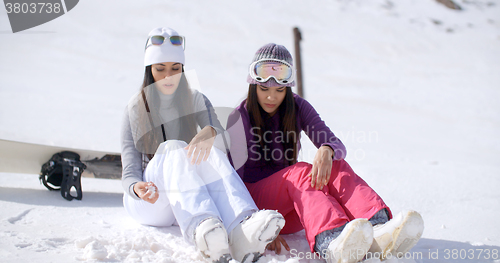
x: 253, y: 163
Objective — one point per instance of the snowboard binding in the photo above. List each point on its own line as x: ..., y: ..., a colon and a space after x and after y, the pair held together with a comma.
x: 63, y: 171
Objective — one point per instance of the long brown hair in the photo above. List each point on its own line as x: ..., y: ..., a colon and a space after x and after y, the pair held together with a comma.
x: 288, y: 124
x: 183, y: 102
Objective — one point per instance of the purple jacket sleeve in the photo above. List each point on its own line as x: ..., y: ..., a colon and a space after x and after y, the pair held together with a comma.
x: 315, y: 128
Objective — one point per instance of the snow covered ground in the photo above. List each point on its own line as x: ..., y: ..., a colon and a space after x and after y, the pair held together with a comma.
x: 411, y: 87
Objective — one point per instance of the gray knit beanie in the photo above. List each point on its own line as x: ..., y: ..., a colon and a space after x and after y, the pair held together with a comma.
x: 272, y: 51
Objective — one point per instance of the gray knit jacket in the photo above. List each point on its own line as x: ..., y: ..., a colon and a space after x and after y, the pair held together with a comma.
x: 134, y: 162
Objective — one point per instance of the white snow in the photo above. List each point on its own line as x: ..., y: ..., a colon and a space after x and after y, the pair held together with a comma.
x: 411, y: 87
x: 151, y: 191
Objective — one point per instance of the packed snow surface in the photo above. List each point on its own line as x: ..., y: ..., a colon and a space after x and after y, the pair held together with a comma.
x: 411, y: 87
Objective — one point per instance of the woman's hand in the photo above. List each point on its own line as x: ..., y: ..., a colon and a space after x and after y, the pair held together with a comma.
x: 146, y: 191
x: 276, y: 245
x: 201, y: 144
x: 322, y: 167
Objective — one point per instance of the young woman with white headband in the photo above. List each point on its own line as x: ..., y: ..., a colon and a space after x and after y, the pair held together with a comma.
x: 343, y: 217
x: 173, y: 175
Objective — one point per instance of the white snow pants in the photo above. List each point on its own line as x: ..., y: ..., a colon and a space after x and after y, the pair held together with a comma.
x: 190, y: 193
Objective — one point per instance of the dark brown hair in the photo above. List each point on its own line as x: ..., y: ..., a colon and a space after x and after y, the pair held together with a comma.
x: 288, y: 124
x: 183, y: 102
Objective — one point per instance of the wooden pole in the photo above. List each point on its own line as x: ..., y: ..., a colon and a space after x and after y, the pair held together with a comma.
x: 298, y: 63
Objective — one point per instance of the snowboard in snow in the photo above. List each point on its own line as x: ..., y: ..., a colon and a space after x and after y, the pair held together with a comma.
x: 21, y: 157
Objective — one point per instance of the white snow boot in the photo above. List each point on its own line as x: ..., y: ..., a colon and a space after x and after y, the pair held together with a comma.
x: 249, y: 239
x: 397, y: 236
x: 352, y: 243
x: 210, y: 238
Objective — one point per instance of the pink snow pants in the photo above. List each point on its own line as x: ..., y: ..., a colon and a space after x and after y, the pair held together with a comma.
x: 346, y: 197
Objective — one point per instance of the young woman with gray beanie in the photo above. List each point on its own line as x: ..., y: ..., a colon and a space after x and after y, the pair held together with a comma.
x: 343, y: 217
x: 173, y: 175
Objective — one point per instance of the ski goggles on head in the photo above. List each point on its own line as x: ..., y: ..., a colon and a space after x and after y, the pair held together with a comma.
x: 159, y: 40
x: 264, y: 69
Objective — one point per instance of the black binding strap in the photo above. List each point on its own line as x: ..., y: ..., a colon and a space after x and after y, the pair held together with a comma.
x: 72, y: 174
x: 63, y: 172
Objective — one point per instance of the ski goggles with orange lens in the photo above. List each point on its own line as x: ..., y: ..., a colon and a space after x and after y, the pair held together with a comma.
x: 264, y: 69
x: 159, y: 40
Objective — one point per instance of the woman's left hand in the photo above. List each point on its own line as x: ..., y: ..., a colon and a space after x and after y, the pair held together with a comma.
x: 200, y: 146
x: 276, y: 245
x: 322, y: 167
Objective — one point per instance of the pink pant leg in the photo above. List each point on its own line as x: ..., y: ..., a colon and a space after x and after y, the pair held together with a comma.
x: 289, y: 191
x: 293, y: 224
x: 357, y: 198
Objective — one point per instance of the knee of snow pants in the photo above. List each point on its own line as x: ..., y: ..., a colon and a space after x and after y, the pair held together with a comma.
x: 195, y: 192
x: 289, y: 191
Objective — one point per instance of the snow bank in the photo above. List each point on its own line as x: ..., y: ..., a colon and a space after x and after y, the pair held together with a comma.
x: 410, y: 87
